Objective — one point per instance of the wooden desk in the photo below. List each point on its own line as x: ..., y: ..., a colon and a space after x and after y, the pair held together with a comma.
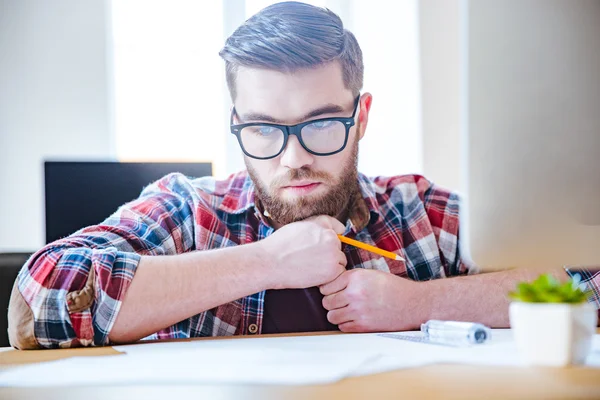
x: 431, y: 382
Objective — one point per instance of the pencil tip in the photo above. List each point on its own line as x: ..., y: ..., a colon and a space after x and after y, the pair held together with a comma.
x: 400, y: 258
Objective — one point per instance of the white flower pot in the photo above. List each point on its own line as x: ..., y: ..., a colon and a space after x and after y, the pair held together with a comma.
x: 553, y: 334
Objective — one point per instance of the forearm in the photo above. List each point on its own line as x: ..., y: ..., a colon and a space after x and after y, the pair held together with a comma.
x: 478, y: 298
x: 169, y: 289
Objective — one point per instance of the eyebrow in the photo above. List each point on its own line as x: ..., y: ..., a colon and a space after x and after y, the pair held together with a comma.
x: 326, y: 109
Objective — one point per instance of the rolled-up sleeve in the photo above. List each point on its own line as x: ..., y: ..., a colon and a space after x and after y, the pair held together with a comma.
x: 69, y: 293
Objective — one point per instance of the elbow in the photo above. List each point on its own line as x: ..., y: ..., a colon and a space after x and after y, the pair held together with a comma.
x: 21, y: 331
x: 52, y: 306
x: 24, y: 315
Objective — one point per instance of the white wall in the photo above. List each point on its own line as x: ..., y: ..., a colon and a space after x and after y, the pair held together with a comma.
x: 54, y: 103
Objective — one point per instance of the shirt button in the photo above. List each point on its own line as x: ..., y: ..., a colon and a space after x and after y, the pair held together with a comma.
x: 253, y: 328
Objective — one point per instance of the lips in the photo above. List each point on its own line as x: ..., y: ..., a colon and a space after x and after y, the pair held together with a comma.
x: 301, y: 188
x: 299, y: 185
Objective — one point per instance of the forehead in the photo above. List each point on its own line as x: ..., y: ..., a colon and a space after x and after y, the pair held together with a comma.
x: 287, y: 95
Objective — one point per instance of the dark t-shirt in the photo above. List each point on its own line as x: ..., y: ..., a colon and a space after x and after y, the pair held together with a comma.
x: 295, y: 310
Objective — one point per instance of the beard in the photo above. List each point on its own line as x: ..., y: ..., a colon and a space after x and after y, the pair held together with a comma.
x: 335, y: 202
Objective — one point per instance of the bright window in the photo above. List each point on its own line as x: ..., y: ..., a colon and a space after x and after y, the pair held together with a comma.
x: 168, y: 90
x: 171, y: 100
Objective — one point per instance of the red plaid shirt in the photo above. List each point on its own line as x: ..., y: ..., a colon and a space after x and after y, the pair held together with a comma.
x: 407, y: 215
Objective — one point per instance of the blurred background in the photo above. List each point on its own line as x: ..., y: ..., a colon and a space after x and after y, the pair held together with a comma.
x: 139, y: 80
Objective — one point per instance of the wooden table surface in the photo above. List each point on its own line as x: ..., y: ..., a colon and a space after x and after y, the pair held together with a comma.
x: 430, y: 382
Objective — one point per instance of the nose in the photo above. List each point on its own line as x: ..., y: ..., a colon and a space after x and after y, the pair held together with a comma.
x: 294, y: 156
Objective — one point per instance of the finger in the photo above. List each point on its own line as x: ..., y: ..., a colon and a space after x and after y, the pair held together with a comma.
x: 350, y: 326
x: 339, y: 316
x: 337, y: 226
x: 321, y: 220
x: 329, y: 222
x: 338, y: 284
x: 335, y: 301
x: 342, y: 259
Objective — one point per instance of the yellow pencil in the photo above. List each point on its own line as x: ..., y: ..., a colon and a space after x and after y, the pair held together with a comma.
x: 370, y: 248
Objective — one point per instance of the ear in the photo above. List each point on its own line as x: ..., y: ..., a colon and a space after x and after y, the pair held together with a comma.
x: 233, y: 117
x: 363, y: 117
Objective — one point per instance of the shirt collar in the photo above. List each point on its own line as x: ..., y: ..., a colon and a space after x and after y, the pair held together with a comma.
x: 365, y: 210
x: 240, y: 197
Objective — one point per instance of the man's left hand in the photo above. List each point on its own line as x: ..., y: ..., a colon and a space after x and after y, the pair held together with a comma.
x: 362, y: 300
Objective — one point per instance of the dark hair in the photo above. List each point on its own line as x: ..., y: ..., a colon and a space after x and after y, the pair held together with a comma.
x: 290, y: 36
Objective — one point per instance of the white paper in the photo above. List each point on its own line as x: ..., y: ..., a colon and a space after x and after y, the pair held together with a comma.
x: 393, y: 354
x: 299, y: 360
x: 192, y: 366
x: 501, y: 350
x: 366, y: 342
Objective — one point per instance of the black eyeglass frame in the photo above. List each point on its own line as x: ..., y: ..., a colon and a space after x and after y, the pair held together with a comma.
x: 294, y: 130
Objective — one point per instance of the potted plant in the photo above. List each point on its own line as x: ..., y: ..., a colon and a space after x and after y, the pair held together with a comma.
x: 553, y: 323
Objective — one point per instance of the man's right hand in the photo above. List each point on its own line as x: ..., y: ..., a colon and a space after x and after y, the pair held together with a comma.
x: 305, y: 253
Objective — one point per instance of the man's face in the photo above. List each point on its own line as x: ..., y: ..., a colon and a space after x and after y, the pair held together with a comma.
x: 297, y: 184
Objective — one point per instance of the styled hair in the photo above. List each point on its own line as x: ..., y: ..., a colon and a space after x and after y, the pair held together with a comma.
x: 290, y: 36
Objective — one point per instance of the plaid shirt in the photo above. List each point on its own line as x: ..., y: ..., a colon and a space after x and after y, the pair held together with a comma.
x: 407, y: 215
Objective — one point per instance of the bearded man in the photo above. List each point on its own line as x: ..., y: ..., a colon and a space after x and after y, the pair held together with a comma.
x: 259, y: 252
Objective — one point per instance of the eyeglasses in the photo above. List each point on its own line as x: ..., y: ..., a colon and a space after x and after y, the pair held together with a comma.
x: 321, y: 137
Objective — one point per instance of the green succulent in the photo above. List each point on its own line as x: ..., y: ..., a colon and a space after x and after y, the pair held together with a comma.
x: 547, y: 289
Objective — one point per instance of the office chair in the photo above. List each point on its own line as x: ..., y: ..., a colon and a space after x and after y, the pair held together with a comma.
x: 10, y: 264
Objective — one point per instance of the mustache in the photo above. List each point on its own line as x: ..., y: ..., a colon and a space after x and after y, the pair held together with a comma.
x: 301, y: 174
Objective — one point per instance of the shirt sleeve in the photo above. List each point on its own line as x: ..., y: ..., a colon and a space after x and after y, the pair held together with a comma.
x: 72, y: 289
x: 442, y: 207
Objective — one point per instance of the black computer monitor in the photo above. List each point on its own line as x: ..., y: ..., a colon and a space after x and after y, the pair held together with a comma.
x: 80, y: 194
